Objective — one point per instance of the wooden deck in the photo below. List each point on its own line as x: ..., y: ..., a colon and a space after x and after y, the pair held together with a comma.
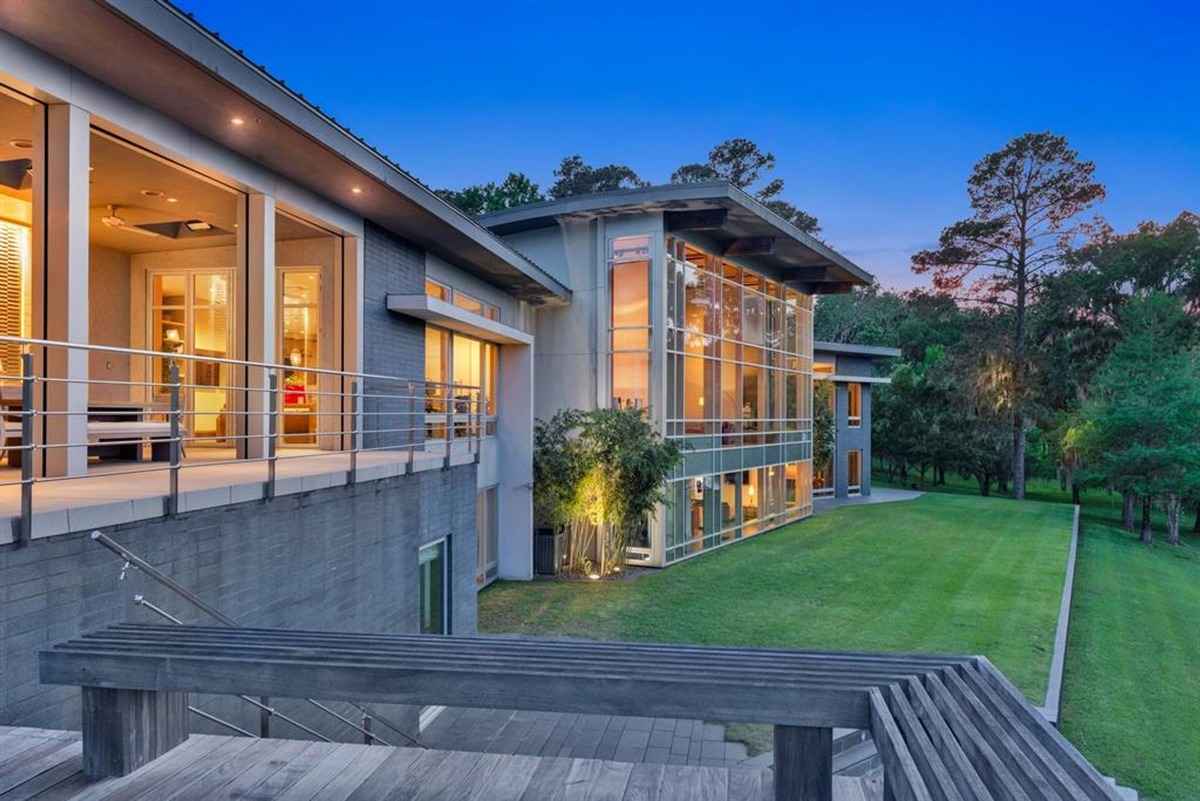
x: 44, y: 765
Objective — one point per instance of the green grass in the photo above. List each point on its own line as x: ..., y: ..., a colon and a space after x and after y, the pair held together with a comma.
x: 939, y: 574
x: 1131, y: 688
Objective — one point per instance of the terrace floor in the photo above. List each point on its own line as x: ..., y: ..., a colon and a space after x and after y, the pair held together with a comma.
x: 122, y: 492
x: 40, y: 764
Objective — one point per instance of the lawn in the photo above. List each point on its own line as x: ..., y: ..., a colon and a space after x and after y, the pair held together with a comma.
x: 1131, y: 688
x: 939, y: 574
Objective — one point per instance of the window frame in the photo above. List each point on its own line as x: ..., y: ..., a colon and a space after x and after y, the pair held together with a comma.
x: 444, y: 544
x: 435, y: 420
x: 853, y: 403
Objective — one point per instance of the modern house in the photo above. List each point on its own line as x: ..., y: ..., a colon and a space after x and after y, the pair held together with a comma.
x: 246, y: 345
x: 851, y: 372
x: 692, y: 301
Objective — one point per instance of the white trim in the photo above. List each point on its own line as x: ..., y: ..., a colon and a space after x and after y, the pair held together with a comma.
x: 851, y: 379
x: 447, y: 315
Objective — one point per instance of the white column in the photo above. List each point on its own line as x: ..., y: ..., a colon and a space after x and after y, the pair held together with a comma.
x: 352, y: 328
x: 60, y: 283
x: 261, y: 321
x: 514, y: 406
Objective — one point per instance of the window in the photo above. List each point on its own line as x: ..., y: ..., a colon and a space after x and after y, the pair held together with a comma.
x: 461, y: 376
x: 853, y: 471
x: 440, y: 291
x: 433, y: 579
x: 487, y: 534
x: 629, y: 320
x: 854, y: 405
x: 17, y: 152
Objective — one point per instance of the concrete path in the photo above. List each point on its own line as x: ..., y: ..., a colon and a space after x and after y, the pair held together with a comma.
x: 878, y: 495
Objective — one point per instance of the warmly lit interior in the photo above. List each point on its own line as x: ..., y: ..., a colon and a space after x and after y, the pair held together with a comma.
x: 16, y: 234
x: 471, y: 366
x: 629, y: 284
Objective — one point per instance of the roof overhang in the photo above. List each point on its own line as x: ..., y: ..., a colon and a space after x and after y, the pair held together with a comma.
x: 850, y: 349
x: 188, y: 74
x: 720, y: 214
x: 447, y: 315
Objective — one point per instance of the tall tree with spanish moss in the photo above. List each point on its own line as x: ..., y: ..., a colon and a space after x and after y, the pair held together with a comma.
x: 1025, y: 199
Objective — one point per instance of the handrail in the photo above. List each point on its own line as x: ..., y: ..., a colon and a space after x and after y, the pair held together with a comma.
x: 350, y: 415
x: 134, y: 561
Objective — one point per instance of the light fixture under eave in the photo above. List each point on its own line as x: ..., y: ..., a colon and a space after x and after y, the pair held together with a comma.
x: 198, y: 225
x: 237, y: 121
x: 21, y: 144
x: 356, y: 190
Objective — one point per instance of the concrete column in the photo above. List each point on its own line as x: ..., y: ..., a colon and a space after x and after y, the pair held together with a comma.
x: 60, y: 281
x: 841, y: 466
x: 261, y: 321
x: 514, y: 432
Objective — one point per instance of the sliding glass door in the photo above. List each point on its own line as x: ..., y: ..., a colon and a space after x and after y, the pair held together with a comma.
x: 299, y: 306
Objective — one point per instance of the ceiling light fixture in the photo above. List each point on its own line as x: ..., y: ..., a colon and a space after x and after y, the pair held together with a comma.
x: 357, y: 190
x: 237, y: 121
x: 21, y: 144
x: 172, y: 200
x: 198, y: 225
x: 151, y: 193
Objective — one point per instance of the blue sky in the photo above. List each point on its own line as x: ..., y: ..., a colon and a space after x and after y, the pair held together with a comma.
x: 875, y: 113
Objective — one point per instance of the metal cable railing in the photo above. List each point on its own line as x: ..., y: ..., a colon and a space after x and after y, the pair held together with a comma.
x: 266, y: 709
x: 195, y: 412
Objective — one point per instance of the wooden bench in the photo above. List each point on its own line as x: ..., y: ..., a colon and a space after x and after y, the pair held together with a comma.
x: 158, y: 434
x: 947, y: 728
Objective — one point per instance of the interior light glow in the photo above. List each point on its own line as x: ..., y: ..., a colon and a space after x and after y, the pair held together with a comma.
x: 237, y: 121
x: 356, y: 190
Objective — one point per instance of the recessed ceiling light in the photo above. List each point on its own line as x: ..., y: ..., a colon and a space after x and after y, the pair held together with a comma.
x: 151, y: 193
x: 237, y: 121
x: 172, y: 200
x: 21, y: 144
x: 357, y: 190
x: 198, y: 225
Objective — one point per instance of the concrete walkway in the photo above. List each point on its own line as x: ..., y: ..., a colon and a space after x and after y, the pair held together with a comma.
x: 879, y: 495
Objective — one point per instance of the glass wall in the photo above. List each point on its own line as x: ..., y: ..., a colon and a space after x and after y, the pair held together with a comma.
x: 17, y: 155
x: 738, y: 400
x: 487, y: 534
x: 629, y: 320
x: 473, y: 366
x: 433, y: 574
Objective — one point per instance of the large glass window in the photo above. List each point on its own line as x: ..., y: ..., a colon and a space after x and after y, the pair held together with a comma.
x: 629, y: 319
x: 739, y: 380
x: 461, y: 375
x: 853, y: 405
x: 164, y: 275
x: 17, y: 153
x: 853, y: 471
x: 433, y: 581
x: 308, y: 263
x: 487, y: 533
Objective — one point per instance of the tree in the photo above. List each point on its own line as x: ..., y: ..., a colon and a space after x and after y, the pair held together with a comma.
x: 574, y: 177
x: 741, y: 162
x: 1141, y: 428
x: 824, y: 427
x: 866, y: 316
x: 598, y: 475
x: 515, y: 190
x: 1024, y: 200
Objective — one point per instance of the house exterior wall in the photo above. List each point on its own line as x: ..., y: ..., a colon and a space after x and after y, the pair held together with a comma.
x: 343, y: 559
x: 852, y: 438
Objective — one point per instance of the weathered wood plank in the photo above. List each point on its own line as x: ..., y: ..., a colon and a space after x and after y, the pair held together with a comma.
x: 338, y: 774
x: 508, y: 779
x: 385, y: 777
x: 267, y: 766
x: 196, y: 755
x: 275, y: 785
x: 124, y: 729
x: 902, y: 779
x: 208, y: 784
x: 63, y: 772
x: 748, y: 785
x: 39, y: 761
x: 445, y: 780
x: 645, y: 783
x: 970, y: 785
x: 549, y: 780
x: 937, y: 778
x: 803, y: 763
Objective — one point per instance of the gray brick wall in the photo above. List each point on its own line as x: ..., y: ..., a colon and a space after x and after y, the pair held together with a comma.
x: 392, y: 343
x: 341, y: 559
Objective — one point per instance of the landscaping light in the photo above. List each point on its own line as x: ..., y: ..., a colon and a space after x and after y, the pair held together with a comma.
x: 594, y: 576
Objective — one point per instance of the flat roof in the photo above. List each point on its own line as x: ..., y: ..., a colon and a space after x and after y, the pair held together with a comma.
x: 740, y: 224
x: 186, y: 72
x: 850, y: 349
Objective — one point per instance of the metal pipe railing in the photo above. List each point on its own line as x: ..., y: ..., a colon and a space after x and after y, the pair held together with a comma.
x: 366, y: 418
x: 132, y: 560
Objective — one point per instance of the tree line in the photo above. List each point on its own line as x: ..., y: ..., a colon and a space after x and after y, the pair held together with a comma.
x: 1049, y: 344
x: 739, y: 161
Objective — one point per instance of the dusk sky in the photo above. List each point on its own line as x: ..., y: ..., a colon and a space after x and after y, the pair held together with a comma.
x: 875, y: 113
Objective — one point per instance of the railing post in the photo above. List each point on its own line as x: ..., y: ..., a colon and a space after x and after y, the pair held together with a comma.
x: 173, y: 494
x: 272, y: 430
x: 366, y: 725
x: 353, y: 477
x: 416, y: 422
x: 481, y: 404
x: 25, y: 530
x: 449, y: 401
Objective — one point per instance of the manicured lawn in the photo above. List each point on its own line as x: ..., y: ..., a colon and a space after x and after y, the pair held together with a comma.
x: 1131, y: 695
x: 1131, y: 687
x: 939, y: 574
